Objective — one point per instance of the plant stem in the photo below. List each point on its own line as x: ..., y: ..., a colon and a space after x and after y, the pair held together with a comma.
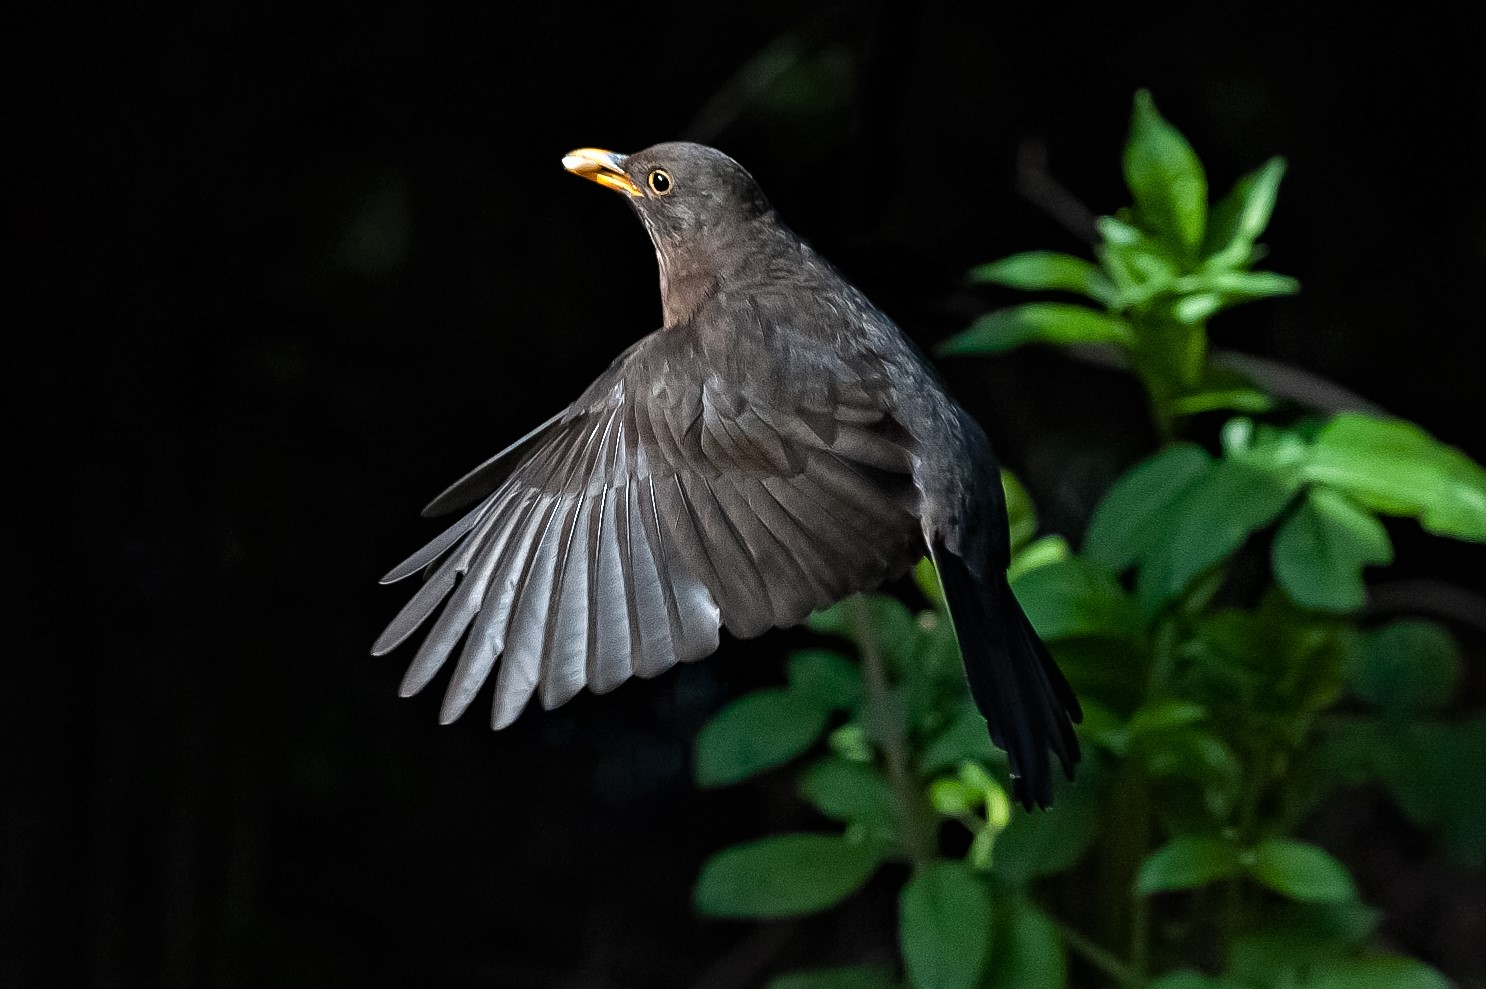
x: 1164, y: 421
x: 1139, y: 807
x: 1101, y: 958
x: 1257, y: 778
x: 1163, y: 661
x: 886, y: 720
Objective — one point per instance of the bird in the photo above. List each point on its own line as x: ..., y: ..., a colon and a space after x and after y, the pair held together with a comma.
x: 777, y: 445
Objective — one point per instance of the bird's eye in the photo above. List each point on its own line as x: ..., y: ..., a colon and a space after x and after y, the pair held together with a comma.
x: 660, y: 181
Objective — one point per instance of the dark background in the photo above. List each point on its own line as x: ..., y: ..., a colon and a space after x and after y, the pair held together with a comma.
x: 276, y: 276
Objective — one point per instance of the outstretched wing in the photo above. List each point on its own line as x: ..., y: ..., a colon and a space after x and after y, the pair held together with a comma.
x: 669, y: 500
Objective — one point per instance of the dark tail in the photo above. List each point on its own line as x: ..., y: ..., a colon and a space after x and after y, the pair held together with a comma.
x: 1030, y: 707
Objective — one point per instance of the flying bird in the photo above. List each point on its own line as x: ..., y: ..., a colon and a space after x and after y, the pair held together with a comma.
x: 776, y: 446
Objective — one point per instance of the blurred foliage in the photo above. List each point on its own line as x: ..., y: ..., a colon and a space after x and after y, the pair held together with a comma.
x: 1219, y: 713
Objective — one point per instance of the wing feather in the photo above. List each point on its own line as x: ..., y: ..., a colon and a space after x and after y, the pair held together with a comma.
x: 697, y: 616
x: 611, y: 656
x: 486, y: 636
x: 438, y: 547
x: 653, y: 622
x: 517, y: 678
x: 616, y: 539
x: 743, y: 593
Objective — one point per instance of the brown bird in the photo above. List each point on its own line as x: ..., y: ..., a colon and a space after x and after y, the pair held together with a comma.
x: 776, y: 446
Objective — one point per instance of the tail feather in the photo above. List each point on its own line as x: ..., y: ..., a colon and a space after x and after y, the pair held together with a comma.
x: 1028, y: 704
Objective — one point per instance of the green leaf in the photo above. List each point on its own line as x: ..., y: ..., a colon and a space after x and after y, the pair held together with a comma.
x: 1301, y: 871
x: 851, y: 792
x: 1320, y: 550
x: 1165, y: 176
x: 1191, y: 310
x: 1048, y: 549
x: 952, y: 798
x: 825, y: 678
x: 889, y: 625
x: 1241, y: 216
x: 1140, y: 266
x: 1395, y: 467
x: 851, y: 977
x: 927, y: 579
x: 1294, y: 936
x: 1239, y: 286
x: 967, y: 737
x: 1208, y: 522
x: 1198, y: 755
x: 1047, y: 271
x: 1344, y: 755
x: 1405, y: 666
x: 998, y: 811
x: 1027, y: 952
x: 1021, y: 514
x: 1207, y: 292
x: 1037, y: 322
x: 1050, y: 841
x: 934, y: 678
x: 756, y: 732
x: 1435, y: 772
x: 1276, y: 660
x: 1275, y: 451
x: 1387, y: 972
x: 1248, y: 400
x: 1164, y: 715
x: 944, y: 928
x: 1104, y: 727
x: 1187, y: 862
x: 783, y: 875
x: 1133, y: 513
x: 1117, y: 233
x: 851, y: 743
x: 1076, y: 597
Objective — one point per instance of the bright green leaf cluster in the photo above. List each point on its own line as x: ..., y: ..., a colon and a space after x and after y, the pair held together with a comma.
x: 1396, y: 468
x: 1166, y: 266
x: 1183, y: 511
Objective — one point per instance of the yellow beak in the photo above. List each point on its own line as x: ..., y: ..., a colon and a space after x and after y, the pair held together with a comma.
x: 604, y: 167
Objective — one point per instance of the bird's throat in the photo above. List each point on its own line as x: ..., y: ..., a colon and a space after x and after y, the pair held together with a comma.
x: 691, y: 272
x: 684, y: 288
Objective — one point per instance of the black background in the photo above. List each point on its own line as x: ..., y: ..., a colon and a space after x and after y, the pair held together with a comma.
x: 278, y: 275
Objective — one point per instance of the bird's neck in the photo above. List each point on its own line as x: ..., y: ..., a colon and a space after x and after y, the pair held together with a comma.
x: 685, y: 285
x: 690, y: 274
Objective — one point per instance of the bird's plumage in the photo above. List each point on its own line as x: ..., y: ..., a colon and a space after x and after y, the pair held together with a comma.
x: 778, y: 445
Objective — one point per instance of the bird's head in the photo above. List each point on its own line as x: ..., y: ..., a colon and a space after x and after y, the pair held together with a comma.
x: 681, y: 191
x: 699, y: 206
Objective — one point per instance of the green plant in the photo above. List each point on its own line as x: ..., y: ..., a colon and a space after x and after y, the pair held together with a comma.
x: 1217, y: 718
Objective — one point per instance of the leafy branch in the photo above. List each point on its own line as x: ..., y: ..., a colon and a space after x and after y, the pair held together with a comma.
x: 1212, y: 625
